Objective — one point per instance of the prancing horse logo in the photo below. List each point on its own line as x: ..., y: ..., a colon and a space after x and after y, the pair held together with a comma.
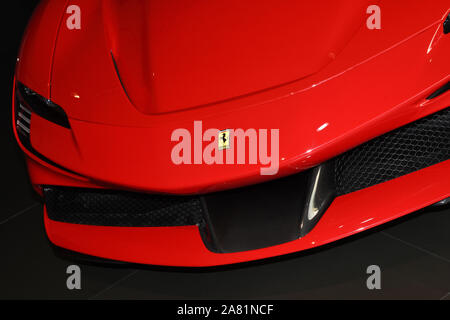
x: 224, y: 139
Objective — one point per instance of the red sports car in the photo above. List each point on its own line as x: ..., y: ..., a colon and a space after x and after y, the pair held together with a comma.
x: 210, y: 132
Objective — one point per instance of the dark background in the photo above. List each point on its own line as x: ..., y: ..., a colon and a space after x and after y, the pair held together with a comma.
x: 413, y: 253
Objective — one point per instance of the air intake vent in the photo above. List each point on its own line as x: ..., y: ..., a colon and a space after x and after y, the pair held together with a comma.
x: 410, y: 148
x: 439, y: 91
x: 121, y: 208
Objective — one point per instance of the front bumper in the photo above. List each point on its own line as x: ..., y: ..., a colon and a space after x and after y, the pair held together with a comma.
x: 183, y: 246
x: 349, y: 213
x: 268, y: 214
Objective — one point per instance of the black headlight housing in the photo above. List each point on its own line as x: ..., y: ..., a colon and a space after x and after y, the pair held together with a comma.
x: 28, y: 101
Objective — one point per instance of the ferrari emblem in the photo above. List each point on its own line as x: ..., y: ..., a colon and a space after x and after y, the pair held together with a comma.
x: 224, y: 139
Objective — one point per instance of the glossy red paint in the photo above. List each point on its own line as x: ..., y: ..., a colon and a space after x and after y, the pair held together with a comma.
x: 227, y: 52
x: 105, y: 125
x: 265, y: 69
x: 38, y: 44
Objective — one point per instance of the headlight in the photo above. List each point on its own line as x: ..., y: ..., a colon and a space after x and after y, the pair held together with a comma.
x: 28, y: 101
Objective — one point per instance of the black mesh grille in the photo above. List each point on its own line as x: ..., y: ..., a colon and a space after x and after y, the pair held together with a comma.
x: 413, y: 147
x: 119, y: 208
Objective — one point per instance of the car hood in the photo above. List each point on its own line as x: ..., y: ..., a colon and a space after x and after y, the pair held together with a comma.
x: 173, y: 55
x: 134, y: 60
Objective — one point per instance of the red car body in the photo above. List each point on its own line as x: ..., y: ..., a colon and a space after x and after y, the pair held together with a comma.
x: 291, y: 65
